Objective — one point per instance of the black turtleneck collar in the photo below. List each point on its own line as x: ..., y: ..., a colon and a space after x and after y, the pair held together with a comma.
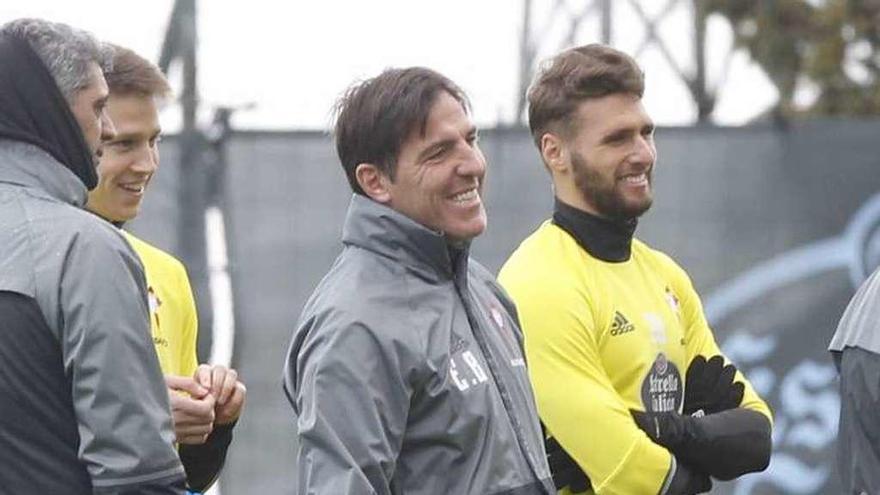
x: 608, y: 240
x: 33, y: 110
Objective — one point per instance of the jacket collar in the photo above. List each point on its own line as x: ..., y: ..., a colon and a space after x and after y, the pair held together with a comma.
x: 608, y: 240
x: 27, y: 165
x: 389, y: 233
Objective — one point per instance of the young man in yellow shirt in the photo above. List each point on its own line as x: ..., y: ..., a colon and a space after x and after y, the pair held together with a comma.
x: 206, y: 400
x: 630, y: 383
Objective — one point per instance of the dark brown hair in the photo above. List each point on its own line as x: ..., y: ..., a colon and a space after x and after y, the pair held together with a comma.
x: 376, y: 116
x: 134, y: 75
x: 589, y: 71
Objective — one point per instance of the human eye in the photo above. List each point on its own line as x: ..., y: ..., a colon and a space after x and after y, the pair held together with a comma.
x: 99, y: 106
x: 616, y: 138
x: 123, y: 144
x: 436, y: 153
x: 155, y: 140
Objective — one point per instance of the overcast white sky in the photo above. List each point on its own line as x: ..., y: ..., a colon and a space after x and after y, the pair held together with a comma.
x: 293, y: 58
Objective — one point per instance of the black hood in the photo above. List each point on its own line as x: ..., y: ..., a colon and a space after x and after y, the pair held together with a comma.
x: 33, y: 110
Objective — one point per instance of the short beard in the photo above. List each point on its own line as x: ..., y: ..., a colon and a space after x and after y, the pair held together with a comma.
x: 608, y: 203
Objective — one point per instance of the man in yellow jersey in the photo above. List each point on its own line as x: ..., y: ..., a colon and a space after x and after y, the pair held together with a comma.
x: 631, y: 387
x: 206, y: 400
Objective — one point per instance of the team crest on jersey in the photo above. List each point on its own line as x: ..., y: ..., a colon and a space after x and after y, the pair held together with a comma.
x: 672, y: 301
x: 661, y: 365
x: 153, y: 300
x: 662, y: 389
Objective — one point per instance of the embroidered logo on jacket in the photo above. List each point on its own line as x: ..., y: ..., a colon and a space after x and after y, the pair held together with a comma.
x: 621, y: 325
x: 508, y: 337
x: 466, y: 371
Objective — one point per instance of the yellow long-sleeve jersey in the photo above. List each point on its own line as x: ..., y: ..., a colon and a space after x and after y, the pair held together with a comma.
x: 602, y: 338
x: 173, y: 319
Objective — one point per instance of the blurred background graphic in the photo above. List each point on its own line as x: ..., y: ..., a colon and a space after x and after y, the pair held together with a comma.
x: 766, y: 188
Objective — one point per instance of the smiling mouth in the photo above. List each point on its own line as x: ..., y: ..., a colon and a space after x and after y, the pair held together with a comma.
x: 640, y: 179
x: 466, y: 197
x: 133, y: 188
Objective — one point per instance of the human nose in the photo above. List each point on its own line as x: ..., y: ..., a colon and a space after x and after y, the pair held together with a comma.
x: 645, y: 151
x: 147, y: 160
x: 472, y: 162
x: 108, y: 130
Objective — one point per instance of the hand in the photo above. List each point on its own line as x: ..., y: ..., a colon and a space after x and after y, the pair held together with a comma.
x: 228, y: 392
x: 688, y: 481
x: 710, y: 387
x: 669, y: 429
x: 565, y: 471
x: 192, y: 409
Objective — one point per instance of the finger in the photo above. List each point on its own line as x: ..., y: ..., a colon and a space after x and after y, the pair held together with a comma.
x: 643, y: 421
x: 708, y: 379
x: 698, y: 364
x: 203, y: 375
x: 228, y: 387
x: 727, y: 375
x: 218, y: 375
x: 200, y: 440
x: 185, y: 384
x: 194, y: 430
x: 193, y: 439
x: 714, y: 366
x: 735, y: 396
x: 695, y: 377
x: 232, y: 409
x: 189, y: 423
x: 189, y: 410
x: 724, y: 381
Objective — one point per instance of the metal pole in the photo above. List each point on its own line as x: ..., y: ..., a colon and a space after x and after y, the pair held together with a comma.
x: 704, y: 99
x: 526, y: 59
x: 180, y: 44
x: 605, y: 12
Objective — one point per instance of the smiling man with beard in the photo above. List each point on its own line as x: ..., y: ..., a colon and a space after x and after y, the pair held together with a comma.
x: 632, y: 388
x: 406, y: 370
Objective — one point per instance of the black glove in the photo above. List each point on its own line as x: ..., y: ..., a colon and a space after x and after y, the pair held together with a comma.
x: 724, y: 445
x: 670, y: 429
x: 564, y: 469
x: 688, y: 481
x: 709, y: 386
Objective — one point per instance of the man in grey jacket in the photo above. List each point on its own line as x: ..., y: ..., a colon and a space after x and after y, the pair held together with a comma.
x: 406, y: 368
x: 855, y: 348
x: 84, y: 408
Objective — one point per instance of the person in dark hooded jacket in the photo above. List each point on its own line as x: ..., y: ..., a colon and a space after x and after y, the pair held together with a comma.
x: 84, y: 407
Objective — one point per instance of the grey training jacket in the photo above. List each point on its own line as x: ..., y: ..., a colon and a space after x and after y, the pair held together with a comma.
x: 89, y: 288
x: 858, y: 326
x: 855, y: 348
x: 407, y: 374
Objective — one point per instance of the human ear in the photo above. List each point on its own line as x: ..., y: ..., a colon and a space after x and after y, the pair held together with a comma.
x: 553, y: 152
x: 374, y: 182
